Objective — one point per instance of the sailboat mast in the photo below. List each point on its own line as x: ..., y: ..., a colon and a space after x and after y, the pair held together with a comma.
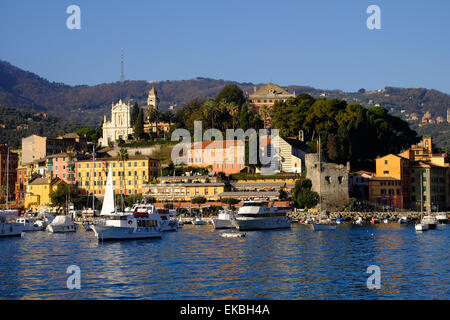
x: 421, y: 192
x: 93, y: 180
x: 320, y: 179
x: 7, y: 181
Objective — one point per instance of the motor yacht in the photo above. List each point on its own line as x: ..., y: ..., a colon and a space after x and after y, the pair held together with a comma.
x: 257, y: 215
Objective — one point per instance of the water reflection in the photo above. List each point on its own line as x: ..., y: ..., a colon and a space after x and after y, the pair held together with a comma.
x: 197, y: 263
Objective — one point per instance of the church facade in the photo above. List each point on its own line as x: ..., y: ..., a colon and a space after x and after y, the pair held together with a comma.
x: 120, y: 125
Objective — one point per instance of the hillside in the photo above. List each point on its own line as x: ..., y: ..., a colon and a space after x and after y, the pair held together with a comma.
x: 87, y: 104
x: 16, y: 124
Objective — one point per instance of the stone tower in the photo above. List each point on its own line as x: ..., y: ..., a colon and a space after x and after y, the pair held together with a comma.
x: 152, y: 100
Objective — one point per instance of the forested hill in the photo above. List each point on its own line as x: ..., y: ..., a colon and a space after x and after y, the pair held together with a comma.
x: 16, y: 124
x: 25, y: 90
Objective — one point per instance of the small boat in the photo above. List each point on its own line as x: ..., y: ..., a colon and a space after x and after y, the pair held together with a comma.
x: 324, y: 225
x: 359, y: 220
x: 402, y: 220
x: 430, y: 221
x: 386, y: 220
x: 197, y: 221
x: 233, y: 234
x: 442, y: 218
x: 168, y: 220
x: 223, y: 220
x: 9, y: 229
x: 62, y: 224
x: 340, y: 220
x: 29, y: 225
x: 421, y: 227
x: 374, y: 221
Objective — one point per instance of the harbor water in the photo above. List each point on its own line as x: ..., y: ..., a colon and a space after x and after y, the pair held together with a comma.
x: 198, y: 263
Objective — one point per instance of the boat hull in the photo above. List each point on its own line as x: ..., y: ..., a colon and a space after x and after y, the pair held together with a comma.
x: 265, y: 223
x: 222, y: 224
x: 421, y: 227
x: 62, y: 228
x: 124, y: 233
x: 323, y: 227
x: 10, y: 230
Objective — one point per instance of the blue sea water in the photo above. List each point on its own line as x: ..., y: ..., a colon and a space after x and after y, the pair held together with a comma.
x: 197, y: 263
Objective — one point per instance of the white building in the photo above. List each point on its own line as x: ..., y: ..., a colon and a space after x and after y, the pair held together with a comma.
x: 120, y: 125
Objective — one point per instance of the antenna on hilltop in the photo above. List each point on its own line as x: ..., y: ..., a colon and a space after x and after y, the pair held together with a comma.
x: 122, y: 77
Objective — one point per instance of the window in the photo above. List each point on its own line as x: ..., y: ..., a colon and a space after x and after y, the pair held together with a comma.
x: 383, y: 191
x: 385, y: 162
x: 386, y: 172
x: 340, y: 179
x: 328, y: 179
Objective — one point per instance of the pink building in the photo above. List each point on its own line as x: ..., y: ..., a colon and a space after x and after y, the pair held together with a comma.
x: 227, y: 156
x: 58, y: 166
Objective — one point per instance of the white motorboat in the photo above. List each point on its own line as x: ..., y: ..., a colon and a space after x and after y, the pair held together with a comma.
x: 142, y: 223
x: 223, y: 220
x: 402, y: 220
x: 324, y: 224
x: 29, y: 225
x: 197, y: 221
x: 9, y: 229
x: 421, y: 227
x: 430, y: 221
x: 62, y: 224
x: 359, y: 220
x: 168, y: 220
x: 257, y: 215
x: 442, y: 218
x: 233, y: 234
x: 386, y: 220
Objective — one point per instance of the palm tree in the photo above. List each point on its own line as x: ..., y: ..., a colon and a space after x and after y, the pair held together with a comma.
x: 123, y: 156
x: 233, y: 109
x: 210, y: 111
x: 71, y: 153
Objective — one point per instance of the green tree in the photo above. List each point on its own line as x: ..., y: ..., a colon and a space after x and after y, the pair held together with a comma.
x: 231, y: 93
x: 134, y: 114
x: 303, y: 196
x: 139, y: 125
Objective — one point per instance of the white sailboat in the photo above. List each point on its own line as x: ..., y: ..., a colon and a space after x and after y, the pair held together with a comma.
x: 120, y: 225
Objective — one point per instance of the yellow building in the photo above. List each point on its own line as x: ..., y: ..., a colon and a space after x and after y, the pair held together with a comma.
x: 38, y: 192
x: 129, y: 175
x: 184, y: 191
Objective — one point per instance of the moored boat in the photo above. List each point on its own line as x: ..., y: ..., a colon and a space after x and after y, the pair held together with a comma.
x: 29, y: 225
x: 442, y: 218
x: 223, y: 220
x: 9, y: 229
x: 257, y: 215
x: 430, y: 221
x: 62, y: 224
x: 140, y: 224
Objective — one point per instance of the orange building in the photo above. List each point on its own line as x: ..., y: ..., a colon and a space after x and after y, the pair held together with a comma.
x: 392, y: 182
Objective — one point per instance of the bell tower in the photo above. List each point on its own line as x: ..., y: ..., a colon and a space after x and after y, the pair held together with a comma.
x: 153, y: 100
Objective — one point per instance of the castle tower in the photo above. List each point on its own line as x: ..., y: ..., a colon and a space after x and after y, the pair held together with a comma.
x: 153, y: 100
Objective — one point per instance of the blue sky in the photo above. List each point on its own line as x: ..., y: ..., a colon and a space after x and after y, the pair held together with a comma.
x: 321, y: 43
